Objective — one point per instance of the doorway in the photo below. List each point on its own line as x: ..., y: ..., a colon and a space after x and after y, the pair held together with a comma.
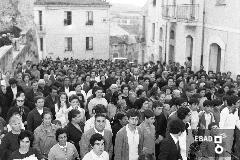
x: 189, y: 46
x: 215, y: 58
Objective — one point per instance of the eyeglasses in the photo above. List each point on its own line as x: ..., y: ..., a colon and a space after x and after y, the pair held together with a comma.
x: 20, y: 100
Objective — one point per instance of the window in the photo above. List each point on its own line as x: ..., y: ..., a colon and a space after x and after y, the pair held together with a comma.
x: 172, y: 35
x: 89, y: 18
x: 154, y: 2
x: 160, y: 34
x: 40, y: 20
x: 89, y: 43
x: 67, y: 18
x: 68, y: 43
x: 153, y: 32
x: 220, y: 2
x: 41, y: 44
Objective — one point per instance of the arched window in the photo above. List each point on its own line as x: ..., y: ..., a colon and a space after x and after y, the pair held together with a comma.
x: 160, y: 34
x: 172, y: 34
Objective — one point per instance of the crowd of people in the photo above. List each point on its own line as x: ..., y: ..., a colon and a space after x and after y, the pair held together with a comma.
x: 73, y: 109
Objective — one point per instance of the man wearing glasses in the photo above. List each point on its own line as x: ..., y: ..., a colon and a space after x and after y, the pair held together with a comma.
x: 19, y: 108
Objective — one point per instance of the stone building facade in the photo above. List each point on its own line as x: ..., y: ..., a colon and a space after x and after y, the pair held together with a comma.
x: 207, y: 31
x: 70, y: 28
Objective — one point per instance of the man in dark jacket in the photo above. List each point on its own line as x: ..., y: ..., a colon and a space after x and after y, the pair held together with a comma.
x: 4, y: 101
x: 19, y: 108
x: 34, y: 118
x: 12, y: 90
x: 170, y: 149
x: 120, y: 120
x: 51, y: 100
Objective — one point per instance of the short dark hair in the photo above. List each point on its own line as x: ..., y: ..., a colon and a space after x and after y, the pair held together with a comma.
x: 193, y: 101
x: 200, y: 89
x: 72, y: 97
x: 157, y: 104
x: 24, y: 134
x: 12, y: 81
x: 182, y: 112
x: 175, y: 126
x: 148, y: 113
x: 96, y: 137
x: 34, y: 81
x: 95, y: 89
x: 99, y: 108
x: 119, y: 116
x: 54, y: 88
x: 180, y: 101
x: 139, y: 92
x: 99, y: 115
x: 146, y: 78
x: 132, y: 113
x: 72, y: 114
x: 47, y: 112
x: 123, y: 86
x: 60, y: 131
x: 216, y: 102
x: 37, y: 98
x: 142, y: 100
x: 207, y: 103
x: 211, y: 125
x: 170, y: 77
x: 153, y: 91
x: 231, y: 100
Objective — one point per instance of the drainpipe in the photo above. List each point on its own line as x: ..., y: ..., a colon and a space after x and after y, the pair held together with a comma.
x: 203, y: 31
x: 166, y: 32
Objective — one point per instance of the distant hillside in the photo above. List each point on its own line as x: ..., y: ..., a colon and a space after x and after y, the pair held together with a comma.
x: 119, y: 8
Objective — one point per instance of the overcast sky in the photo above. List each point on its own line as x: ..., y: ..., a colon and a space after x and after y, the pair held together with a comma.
x: 132, y: 2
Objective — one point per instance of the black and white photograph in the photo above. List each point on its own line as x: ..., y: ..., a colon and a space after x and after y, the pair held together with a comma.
x: 119, y: 80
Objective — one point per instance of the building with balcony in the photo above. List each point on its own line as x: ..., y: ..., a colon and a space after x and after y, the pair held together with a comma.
x: 124, y: 44
x: 71, y: 28
x: 206, y: 31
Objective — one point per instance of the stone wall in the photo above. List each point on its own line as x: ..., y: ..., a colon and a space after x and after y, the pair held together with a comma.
x: 6, y: 56
x: 29, y: 51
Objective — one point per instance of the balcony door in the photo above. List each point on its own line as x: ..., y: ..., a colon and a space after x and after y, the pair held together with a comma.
x: 215, y: 58
x: 171, y: 56
x: 189, y: 46
x: 160, y: 54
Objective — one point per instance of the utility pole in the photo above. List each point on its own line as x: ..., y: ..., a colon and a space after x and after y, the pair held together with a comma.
x: 203, y: 31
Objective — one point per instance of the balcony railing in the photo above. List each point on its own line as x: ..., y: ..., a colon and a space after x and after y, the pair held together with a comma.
x: 183, y: 12
x: 188, y: 12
